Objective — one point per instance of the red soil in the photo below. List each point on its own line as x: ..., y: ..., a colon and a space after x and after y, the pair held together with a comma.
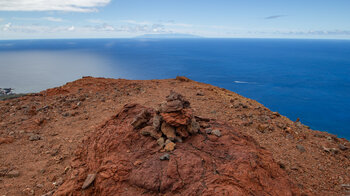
x: 42, y: 132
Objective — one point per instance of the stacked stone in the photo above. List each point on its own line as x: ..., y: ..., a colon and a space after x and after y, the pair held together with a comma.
x: 172, y: 122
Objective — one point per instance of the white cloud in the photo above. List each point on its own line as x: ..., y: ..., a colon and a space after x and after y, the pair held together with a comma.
x: 136, y: 22
x: 52, y: 5
x: 53, y: 19
x: 7, y: 27
x: 106, y: 27
x: 12, y: 28
x: 1, y: 19
x: 157, y: 27
x: 98, y: 21
x: 72, y: 28
x: 305, y: 32
x: 101, y: 27
x: 177, y: 24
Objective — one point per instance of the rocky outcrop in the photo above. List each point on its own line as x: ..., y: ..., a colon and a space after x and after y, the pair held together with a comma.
x: 46, y: 128
x: 171, y: 122
x: 127, y: 156
x: 6, y: 91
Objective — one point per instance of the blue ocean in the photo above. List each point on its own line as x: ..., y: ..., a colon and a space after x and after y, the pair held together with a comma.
x: 306, y: 79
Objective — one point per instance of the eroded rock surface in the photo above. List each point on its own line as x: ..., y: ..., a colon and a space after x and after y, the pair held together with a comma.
x: 127, y: 162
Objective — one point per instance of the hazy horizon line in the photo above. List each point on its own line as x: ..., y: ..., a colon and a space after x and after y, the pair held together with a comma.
x: 201, y: 37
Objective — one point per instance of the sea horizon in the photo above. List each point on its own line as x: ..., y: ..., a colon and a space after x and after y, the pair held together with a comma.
x: 201, y: 37
x: 181, y: 96
x: 300, y: 78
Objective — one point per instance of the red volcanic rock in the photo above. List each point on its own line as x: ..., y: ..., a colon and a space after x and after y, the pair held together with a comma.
x: 149, y: 130
x: 168, y: 131
x: 6, y: 140
x: 172, y: 106
x: 179, y: 118
x: 182, y: 131
x: 141, y: 119
x: 232, y: 164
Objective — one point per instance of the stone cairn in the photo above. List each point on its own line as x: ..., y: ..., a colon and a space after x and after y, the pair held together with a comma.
x: 172, y: 122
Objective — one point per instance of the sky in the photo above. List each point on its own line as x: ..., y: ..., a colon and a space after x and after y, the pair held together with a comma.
x: 47, y: 19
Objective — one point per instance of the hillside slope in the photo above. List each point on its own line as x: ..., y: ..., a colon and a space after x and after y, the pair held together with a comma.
x: 40, y: 133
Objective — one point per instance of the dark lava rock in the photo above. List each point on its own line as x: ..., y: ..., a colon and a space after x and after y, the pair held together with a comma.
x: 208, y: 130
x: 200, y: 93
x: 300, y: 148
x: 342, y: 147
x: 165, y: 156
x: 141, y: 119
x: 34, y: 137
x: 176, y: 96
x: 157, y: 120
x: 149, y: 130
x: 216, y: 132
x: 12, y: 174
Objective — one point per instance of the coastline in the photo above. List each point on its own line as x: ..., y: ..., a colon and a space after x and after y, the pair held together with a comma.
x: 12, y: 96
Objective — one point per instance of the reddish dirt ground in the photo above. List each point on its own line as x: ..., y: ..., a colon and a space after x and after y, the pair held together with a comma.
x: 40, y: 133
